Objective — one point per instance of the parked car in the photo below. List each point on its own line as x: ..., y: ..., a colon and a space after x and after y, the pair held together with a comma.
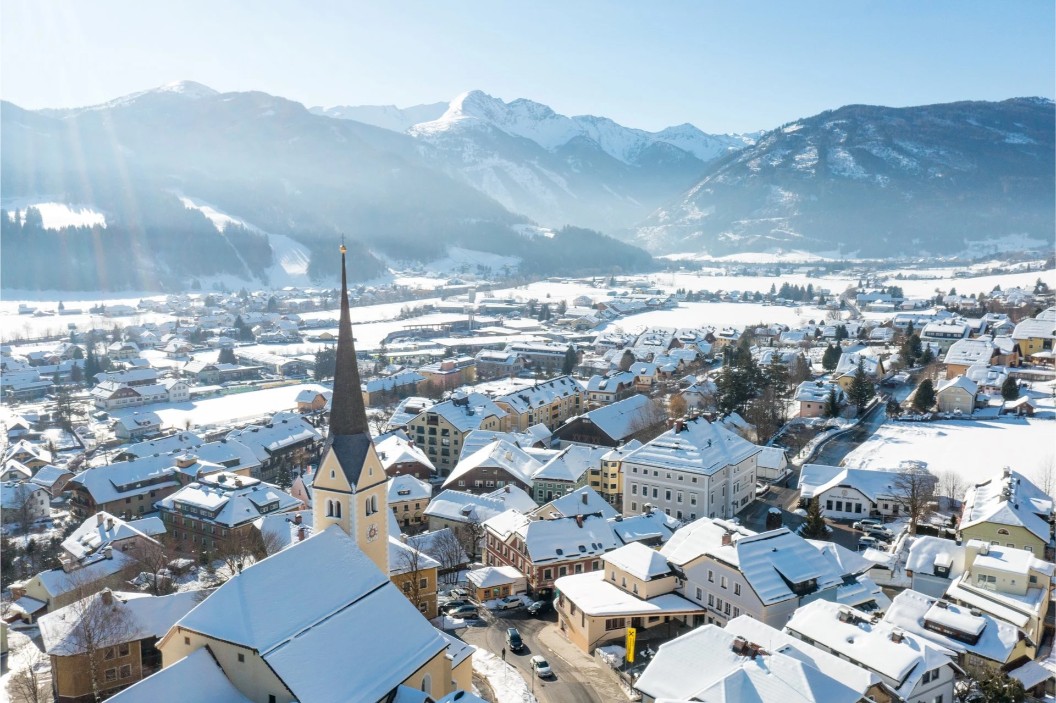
x: 865, y: 524
x: 513, y: 640
x: 868, y: 542
x: 541, y: 667
x: 539, y: 607
x: 880, y: 532
x: 508, y: 603
x: 463, y: 611
x: 761, y: 489
x: 452, y: 604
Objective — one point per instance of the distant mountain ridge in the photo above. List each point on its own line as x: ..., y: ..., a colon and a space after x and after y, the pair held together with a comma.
x: 260, y: 160
x: 874, y: 181
x: 553, y: 168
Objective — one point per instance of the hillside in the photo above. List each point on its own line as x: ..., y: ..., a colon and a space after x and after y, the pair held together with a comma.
x: 876, y: 181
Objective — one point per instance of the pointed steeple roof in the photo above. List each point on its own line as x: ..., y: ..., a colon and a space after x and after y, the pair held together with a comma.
x: 348, y: 416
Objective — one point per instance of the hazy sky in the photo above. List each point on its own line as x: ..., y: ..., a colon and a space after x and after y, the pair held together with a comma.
x: 729, y: 66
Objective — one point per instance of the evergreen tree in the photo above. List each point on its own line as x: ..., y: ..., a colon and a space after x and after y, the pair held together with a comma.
x: 1010, y: 389
x: 831, y: 357
x: 245, y: 333
x: 227, y: 356
x: 544, y: 312
x: 77, y: 353
x: 76, y: 374
x: 841, y: 333
x: 814, y: 527
x: 91, y: 365
x: 927, y: 356
x: 777, y: 377
x: 832, y: 404
x: 273, y: 304
x: 862, y: 389
x: 325, y: 363
x: 627, y: 360
x: 911, y: 349
x: 571, y: 359
x: 924, y: 398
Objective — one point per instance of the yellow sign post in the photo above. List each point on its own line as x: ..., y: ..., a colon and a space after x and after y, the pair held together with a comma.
x: 632, y: 635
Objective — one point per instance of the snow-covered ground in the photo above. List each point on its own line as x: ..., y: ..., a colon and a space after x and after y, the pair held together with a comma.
x: 977, y: 450
x: 58, y: 215
x: 224, y: 409
x: 506, y: 682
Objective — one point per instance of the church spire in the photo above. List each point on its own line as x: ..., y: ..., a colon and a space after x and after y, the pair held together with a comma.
x: 347, y: 413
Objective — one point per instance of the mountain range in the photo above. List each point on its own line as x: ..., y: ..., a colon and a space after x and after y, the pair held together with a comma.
x: 877, y: 182
x: 196, y: 183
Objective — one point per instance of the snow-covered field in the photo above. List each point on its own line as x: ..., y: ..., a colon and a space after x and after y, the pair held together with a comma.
x: 58, y: 215
x: 977, y: 450
x: 226, y: 408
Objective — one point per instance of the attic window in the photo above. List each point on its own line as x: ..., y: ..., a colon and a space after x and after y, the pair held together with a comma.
x: 559, y: 551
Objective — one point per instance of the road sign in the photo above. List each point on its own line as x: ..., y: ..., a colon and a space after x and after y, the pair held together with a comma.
x: 632, y: 635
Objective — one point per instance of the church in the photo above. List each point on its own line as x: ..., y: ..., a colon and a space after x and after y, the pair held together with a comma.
x: 320, y: 621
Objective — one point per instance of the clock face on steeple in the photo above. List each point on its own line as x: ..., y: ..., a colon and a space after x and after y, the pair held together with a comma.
x: 372, y: 532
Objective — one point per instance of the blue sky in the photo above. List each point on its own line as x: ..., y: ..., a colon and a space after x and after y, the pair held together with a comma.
x: 730, y: 66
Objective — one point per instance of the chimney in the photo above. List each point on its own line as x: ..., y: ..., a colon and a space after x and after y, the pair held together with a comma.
x: 108, y: 552
x: 99, y: 517
x: 679, y: 425
x: 109, y: 524
x: 897, y: 636
x: 506, y: 489
x: 727, y: 538
x: 739, y: 646
x: 300, y: 533
x: 107, y: 596
x: 297, y: 519
x: 584, y: 497
x: 579, y: 521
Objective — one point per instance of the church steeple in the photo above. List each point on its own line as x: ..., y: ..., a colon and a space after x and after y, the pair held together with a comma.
x: 350, y: 489
x: 347, y: 413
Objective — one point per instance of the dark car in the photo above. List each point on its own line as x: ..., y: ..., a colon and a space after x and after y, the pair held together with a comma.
x: 539, y: 607
x: 513, y: 639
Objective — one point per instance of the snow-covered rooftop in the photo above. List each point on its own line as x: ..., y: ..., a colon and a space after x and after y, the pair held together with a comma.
x: 597, y: 597
x: 700, y: 447
x: 639, y: 561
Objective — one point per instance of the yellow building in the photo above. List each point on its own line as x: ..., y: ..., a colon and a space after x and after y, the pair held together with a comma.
x: 1010, y: 511
x: 636, y: 588
x: 440, y: 430
x: 611, y: 479
x: 550, y: 403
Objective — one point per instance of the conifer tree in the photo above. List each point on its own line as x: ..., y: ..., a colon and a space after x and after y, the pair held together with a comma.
x: 924, y: 398
x: 814, y: 527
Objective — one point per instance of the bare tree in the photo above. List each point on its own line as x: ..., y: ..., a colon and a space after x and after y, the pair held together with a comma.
x: 445, y: 547
x: 471, y: 536
x: 914, y: 488
x: 152, y: 558
x: 411, y: 565
x: 952, y: 485
x: 27, y: 684
x: 676, y: 406
x: 24, y: 513
x: 98, y: 623
x: 241, y: 548
x: 1044, y: 476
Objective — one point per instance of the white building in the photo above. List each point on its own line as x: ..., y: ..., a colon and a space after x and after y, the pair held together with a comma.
x: 697, y: 468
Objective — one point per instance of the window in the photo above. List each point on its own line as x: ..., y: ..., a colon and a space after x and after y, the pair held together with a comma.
x: 123, y: 650
x: 427, y: 683
x: 718, y: 603
x: 727, y: 608
x: 125, y: 671
x: 422, y: 583
x: 634, y: 506
x: 667, y: 495
x: 736, y: 612
x: 615, y: 623
x: 711, y: 576
x: 711, y: 600
x: 110, y: 675
x: 110, y: 653
x: 723, y: 582
x: 700, y: 594
x: 562, y: 571
x: 241, y: 658
x: 736, y: 589
x: 679, y: 497
x: 828, y: 505
x: 186, y: 640
x: 634, y: 489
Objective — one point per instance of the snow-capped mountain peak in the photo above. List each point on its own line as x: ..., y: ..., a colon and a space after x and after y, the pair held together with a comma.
x: 188, y: 89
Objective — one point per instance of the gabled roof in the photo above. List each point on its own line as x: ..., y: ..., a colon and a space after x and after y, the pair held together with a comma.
x: 570, y: 465
x: 197, y: 677
x: 622, y: 418
x: 655, y: 525
x: 1008, y: 500
x: 911, y: 610
x: 98, y: 531
x: 460, y: 506
x: 541, y: 394
x: 870, y: 645
x: 639, y: 561
x: 139, y: 614
x: 567, y: 538
x: 395, y: 448
x: 468, y: 411
x: 502, y: 455
x: 679, y: 671
x: 962, y: 382
x: 348, y: 596
x: 581, y: 501
x: 700, y: 447
x: 969, y: 351
x: 407, y: 487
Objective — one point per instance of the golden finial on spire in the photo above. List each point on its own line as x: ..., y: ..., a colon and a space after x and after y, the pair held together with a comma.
x: 343, y: 250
